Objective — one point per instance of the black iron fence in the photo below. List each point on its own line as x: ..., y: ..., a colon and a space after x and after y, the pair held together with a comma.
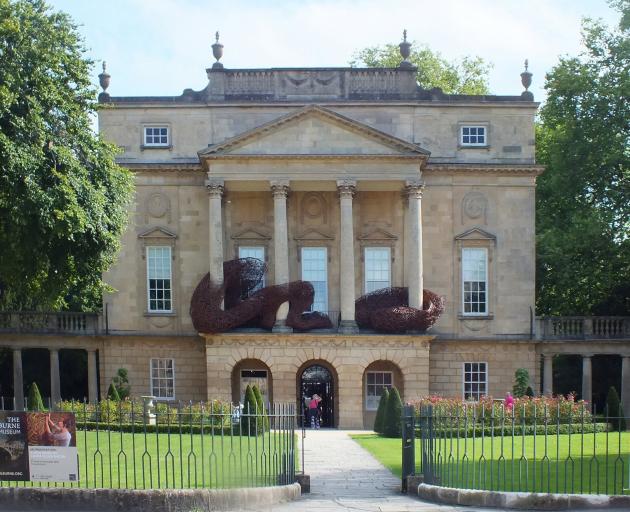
x: 146, y: 445
x: 503, y: 450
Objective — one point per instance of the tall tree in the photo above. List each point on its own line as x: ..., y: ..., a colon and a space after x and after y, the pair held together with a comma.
x: 583, y: 198
x: 468, y: 75
x: 63, y: 200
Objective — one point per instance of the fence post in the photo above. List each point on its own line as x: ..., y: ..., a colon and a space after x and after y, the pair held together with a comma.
x: 426, y: 436
x: 408, y: 444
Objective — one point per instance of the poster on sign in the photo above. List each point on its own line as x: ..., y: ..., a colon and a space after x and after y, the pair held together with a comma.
x: 38, y: 446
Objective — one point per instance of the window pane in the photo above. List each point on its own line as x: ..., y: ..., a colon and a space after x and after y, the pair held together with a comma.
x: 474, y: 280
x: 475, y: 381
x: 315, y: 270
x: 159, y: 278
x: 377, y: 268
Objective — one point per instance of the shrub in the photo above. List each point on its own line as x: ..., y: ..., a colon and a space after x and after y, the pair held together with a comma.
x: 248, y: 418
x: 260, y: 406
x: 380, y: 412
x: 614, y: 410
x: 529, y: 392
x: 112, y: 393
x: 393, y: 415
x: 35, y: 402
x: 121, y: 382
x: 521, y: 382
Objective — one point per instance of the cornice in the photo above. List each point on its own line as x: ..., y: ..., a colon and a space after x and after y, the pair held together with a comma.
x: 331, y: 156
x: 463, y: 169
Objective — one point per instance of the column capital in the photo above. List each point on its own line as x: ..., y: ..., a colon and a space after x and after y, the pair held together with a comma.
x: 413, y: 188
x: 215, y: 187
x: 347, y: 188
x: 279, y: 188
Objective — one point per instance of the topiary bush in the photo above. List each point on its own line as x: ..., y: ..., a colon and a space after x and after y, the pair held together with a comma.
x: 521, y: 382
x: 35, y: 402
x: 112, y: 393
x: 248, y: 418
x: 380, y: 412
x: 614, y: 410
x: 393, y: 415
x: 529, y: 392
x: 121, y: 382
x: 260, y: 406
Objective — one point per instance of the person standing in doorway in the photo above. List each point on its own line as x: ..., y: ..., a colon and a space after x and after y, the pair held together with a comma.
x: 313, y: 410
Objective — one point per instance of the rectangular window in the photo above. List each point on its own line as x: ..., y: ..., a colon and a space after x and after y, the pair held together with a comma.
x: 473, y: 136
x: 475, y: 281
x: 156, y: 136
x: 159, y: 286
x: 375, y: 382
x: 315, y: 270
x: 475, y: 380
x: 377, y: 268
x: 163, y: 378
x: 257, y: 253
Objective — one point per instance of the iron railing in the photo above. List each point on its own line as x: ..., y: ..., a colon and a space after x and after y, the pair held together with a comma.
x: 502, y: 451
x: 49, y: 323
x: 139, y: 445
x: 582, y: 327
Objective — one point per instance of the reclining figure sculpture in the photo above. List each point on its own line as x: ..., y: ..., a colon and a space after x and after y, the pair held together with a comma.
x: 241, y: 302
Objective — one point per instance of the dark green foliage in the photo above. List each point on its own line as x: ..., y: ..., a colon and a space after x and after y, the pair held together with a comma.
x: 249, y: 423
x: 35, y: 402
x: 380, y: 412
x: 63, y: 199
x: 261, y: 408
x: 521, y: 383
x: 614, y: 411
x: 583, y: 197
x: 393, y: 415
x: 112, y: 393
x: 529, y: 392
x: 121, y: 383
x: 468, y: 76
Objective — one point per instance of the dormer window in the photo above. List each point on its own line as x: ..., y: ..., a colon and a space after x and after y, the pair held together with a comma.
x: 473, y: 135
x: 157, y: 136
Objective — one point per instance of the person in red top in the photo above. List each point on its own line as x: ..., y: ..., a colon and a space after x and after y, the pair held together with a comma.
x: 509, y: 401
x: 313, y: 410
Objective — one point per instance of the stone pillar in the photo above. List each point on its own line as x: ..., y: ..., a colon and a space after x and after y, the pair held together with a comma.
x: 547, y: 374
x: 587, y: 380
x: 215, y: 189
x: 625, y: 388
x: 92, y: 376
x: 347, y: 189
x: 413, y: 264
x: 18, y: 380
x: 55, y: 381
x: 280, y: 191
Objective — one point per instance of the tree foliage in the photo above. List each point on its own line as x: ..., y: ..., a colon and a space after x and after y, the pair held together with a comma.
x: 392, y: 426
x: 380, y: 412
x: 521, y: 383
x: 468, y: 75
x: 583, y: 198
x: 63, y: 200
x: 121, y: 383
x: 112, y: 393
x: 614, y: 410
x: 35, y: 402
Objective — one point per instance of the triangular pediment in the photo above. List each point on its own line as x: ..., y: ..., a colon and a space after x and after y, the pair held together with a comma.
x: 378, y: 234
x: 157, y: 233
x: 314, y: 131
x: 475, y: 234
x: 250, y: 234
x: 313, y: 234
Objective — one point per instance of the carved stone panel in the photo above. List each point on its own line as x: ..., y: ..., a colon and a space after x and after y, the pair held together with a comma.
x: 475, y: 207
x: 157, y: 206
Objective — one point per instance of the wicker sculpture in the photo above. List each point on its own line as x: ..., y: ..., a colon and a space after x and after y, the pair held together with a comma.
x: 387, y: 310
x: 246, y: 306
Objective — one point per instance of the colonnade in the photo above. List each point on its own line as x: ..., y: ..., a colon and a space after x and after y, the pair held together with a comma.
x: 346, y: 188
x: 55, y: 378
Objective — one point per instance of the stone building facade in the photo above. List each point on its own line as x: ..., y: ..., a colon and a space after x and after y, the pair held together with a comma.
x: 353, y: 179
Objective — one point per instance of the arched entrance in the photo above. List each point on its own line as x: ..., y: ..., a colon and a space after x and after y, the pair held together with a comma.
x: 318, y: 377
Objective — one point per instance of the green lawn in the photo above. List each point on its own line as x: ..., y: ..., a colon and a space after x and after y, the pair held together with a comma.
x: 126, y: 460
x: 564, y: 463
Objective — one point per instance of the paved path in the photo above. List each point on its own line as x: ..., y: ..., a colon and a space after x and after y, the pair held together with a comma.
x: 345, y: 477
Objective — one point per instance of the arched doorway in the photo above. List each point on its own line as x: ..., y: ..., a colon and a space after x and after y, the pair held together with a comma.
x: 318, y: 377
x: 378, y: 375
x: 250, y: 372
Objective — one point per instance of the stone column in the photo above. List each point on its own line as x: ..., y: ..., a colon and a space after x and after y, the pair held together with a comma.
x: 18, y: 380
x: 280, y: 191
x: 547, y: 374
x: 347, y: 189
x: 55, y: 381
x: 215, y: 189
x: 92, y: 376
x: 587, y: 380
x: 413, y: 265
x: 625, y: 387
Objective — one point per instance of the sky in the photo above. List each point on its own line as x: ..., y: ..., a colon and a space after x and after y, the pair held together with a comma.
x: 161, y: 47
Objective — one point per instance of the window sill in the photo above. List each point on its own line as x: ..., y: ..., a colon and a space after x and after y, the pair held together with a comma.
x: 143, y: 147
x: 472, y: 146
x: 475, y: 317
x: 160, y: 313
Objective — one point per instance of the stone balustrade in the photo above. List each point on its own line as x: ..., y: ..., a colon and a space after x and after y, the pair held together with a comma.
x: 77, y: 323
x: 582, y: 327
